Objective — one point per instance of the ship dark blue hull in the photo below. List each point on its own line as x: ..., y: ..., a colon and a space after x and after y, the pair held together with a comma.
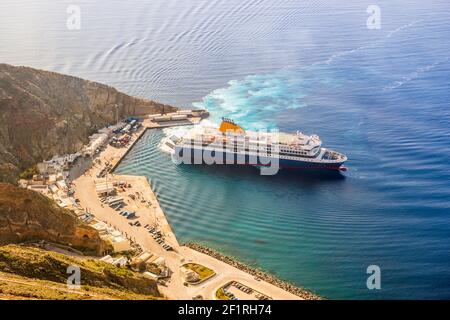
x: 198, y: 156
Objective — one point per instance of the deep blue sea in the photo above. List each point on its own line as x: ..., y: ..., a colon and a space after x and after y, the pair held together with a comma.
x: 381, y: 96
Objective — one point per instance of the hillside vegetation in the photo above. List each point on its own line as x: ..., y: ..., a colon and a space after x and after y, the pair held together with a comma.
x: 32, y: 273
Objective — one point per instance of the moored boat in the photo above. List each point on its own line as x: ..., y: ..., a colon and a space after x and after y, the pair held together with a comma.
x: 231, y: 144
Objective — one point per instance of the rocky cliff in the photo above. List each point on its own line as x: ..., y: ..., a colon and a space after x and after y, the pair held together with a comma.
x: 27, y: 215
x: 45, y: 113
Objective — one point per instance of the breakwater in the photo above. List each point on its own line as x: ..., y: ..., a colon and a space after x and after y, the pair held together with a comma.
x: 302, y: 293
x: 129, y: 148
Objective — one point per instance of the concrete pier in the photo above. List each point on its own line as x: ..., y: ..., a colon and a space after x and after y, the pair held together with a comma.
x: 175, y: 123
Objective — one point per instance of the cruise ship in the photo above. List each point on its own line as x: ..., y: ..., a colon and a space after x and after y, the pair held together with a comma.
x: 231, y: 144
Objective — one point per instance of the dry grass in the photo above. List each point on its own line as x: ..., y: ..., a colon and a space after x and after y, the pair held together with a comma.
x: 33, y: 273
x: 202, y: 271
x: 220, y: 295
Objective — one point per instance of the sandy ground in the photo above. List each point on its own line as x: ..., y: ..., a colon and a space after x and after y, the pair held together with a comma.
x: 152, y: 214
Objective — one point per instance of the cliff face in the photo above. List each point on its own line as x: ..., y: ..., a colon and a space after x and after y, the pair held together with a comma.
x: 27, y: 215
x: 45, y: 113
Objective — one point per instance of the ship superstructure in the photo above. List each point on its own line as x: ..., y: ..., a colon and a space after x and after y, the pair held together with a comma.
x: 231, y: 144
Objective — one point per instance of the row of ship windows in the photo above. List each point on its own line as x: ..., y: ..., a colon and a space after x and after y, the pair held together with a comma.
x: 283, y: 154
x: 282, y: 150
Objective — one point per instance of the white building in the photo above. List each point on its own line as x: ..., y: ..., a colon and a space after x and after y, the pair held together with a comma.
x: 96, y: 141
x: 61, y: 184
x: 105, y: 188
x: 115, y: 237
x: 120, y: 262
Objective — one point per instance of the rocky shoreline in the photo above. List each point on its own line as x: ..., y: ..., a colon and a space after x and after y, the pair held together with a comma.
x: 302, y: 293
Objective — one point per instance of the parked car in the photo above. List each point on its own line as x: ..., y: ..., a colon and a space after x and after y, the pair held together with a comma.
x: 131, y: 215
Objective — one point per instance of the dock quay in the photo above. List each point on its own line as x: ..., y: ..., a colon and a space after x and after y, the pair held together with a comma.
x: 127, y: 206
x: 145, y: 203
x: 150, y: 124
x: 178, y: 118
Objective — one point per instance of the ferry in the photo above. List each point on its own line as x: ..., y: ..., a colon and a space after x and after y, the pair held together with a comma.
x: 231, y: 144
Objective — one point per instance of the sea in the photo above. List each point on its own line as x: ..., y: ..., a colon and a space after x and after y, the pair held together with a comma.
x: 371, y: 78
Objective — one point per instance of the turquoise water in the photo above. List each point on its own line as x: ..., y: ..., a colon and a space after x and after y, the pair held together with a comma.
x: 379, y: 96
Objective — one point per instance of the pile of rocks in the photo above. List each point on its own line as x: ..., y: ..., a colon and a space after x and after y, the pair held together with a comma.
x: 302, y: 293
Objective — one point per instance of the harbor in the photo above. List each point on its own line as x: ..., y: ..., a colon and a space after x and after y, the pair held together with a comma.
x: 126, y: 210
x: 366, y: 83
